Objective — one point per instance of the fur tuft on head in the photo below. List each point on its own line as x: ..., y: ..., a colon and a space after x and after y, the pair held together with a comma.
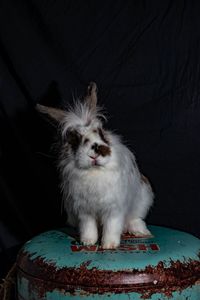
x: 82, y: 118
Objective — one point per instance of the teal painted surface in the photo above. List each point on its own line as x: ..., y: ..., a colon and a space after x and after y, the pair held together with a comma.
x: 55, y: 247
x: 187, y: 294
x: 191, y: 293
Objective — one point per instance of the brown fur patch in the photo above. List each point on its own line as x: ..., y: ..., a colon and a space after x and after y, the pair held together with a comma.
x: 103, y: 150
x: 74, y: 139
x: 102, y: 136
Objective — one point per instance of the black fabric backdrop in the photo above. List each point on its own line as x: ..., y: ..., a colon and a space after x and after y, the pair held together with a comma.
x: 145, y: 58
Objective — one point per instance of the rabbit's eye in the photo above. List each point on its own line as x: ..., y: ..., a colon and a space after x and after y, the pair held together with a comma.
x: 86, y: 141
x: 74, y: 139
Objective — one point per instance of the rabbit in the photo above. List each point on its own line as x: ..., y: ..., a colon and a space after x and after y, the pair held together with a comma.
x: 101, y: 183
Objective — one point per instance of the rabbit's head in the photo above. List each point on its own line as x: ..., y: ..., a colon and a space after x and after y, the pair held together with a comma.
x: 84, y: 141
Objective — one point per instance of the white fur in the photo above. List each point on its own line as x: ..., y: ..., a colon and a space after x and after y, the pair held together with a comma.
x: 110, y: 193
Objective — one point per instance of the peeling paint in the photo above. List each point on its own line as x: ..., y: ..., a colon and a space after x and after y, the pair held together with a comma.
x: 42, y: 277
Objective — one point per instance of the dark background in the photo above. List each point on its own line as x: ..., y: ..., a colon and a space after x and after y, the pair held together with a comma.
x: 145, y: 59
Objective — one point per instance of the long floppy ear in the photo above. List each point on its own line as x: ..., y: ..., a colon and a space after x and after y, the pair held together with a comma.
x: 91, y: 96
x: 54, y: 113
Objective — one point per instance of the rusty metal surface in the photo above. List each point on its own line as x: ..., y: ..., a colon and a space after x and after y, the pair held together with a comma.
x: 151, y: 280
x: 165, y: 276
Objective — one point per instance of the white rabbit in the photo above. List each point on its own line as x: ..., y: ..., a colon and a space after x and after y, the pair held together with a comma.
x: 101, y: 183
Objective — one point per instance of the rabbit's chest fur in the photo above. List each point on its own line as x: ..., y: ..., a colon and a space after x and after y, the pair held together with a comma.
x: 97, y: 190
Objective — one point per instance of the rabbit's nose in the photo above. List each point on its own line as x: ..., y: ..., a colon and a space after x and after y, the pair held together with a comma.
x: 95, y: 147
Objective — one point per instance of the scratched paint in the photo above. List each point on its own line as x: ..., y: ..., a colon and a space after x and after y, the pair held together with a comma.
x: 191, y: 293
x: 167, y: 252
x: 174, y: 245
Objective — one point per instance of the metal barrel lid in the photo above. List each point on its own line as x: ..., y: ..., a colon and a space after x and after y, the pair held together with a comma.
x: 170, y: 259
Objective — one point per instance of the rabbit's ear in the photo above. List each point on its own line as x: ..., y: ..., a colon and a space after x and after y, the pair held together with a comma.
x: 54, y: 113
x: 91, y: 96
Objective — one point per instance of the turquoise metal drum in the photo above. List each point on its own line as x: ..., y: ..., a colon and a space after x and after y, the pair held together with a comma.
x: 54, y: 265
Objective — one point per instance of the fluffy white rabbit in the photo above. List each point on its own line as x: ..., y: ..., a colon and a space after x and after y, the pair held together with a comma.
x: 101, y: 183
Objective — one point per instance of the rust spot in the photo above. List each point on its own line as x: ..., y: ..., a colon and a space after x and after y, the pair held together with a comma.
x: 86, y: 263
x: 45, y: 276
x: 103, y: 150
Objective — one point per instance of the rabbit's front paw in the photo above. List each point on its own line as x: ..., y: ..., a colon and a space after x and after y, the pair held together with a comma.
x: 88, y: 241
x: 110, y: 243
x: 138, y: 228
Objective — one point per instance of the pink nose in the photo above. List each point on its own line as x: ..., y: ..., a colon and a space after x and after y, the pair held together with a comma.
x: 93, y: 157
